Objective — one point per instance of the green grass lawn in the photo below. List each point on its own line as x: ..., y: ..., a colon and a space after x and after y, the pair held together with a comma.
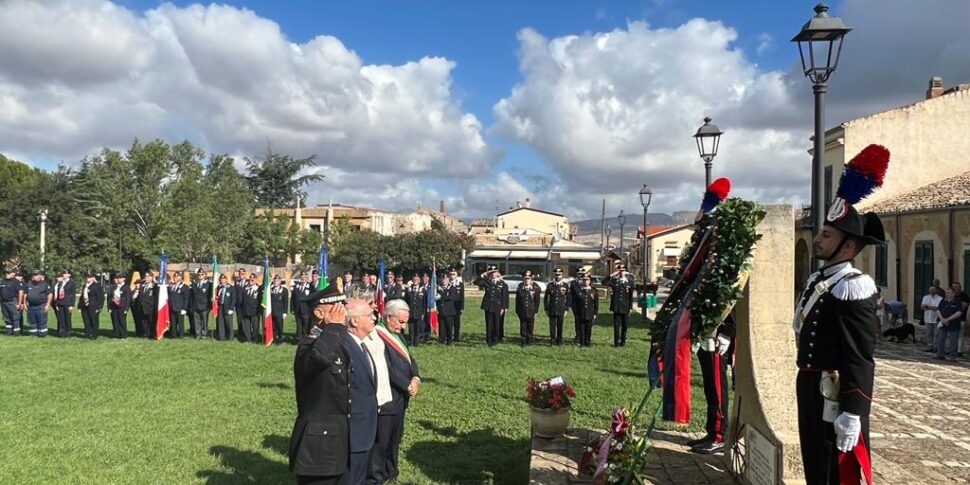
x: 190, y: 411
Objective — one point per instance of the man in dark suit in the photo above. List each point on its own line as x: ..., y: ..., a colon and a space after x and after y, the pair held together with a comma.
x: 279, y: 299
x: 405, y: 380
x: 226, y: 296
x: 319, y: 451
x: 301, y: 289
x: 201, y: 304
x: 394, y: 289
x: 363, y: 390
x: 250, y: 310
x: 417, y: 300
x: 240, y: 282
x: 149, y: 303
x: 495, y: 302
x: 621, y: 301
x: 136, y: 312
x: 557, y: 301
x: 178, y: 305
x: 527, y: 301
x: 587, y: 307
x: 458, y: 283
x: 448, y: 310
x: 90, y: 303
x: 119, y: 301
x: 64, y: 303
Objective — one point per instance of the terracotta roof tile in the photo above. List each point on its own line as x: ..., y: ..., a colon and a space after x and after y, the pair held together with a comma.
x: 950, y: 192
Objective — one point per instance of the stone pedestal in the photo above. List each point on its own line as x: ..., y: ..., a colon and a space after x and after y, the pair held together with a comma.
x: 763, y: 436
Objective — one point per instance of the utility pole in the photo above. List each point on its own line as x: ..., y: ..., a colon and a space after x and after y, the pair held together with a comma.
x: 603, y: 228
x: 43, y: 235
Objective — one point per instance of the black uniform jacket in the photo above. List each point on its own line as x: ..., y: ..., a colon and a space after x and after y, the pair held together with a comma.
x: 300, y: 291
x: 586, y: 303
x: 124, y: 300
x: 95, y: 297
x: 250, y: 302
x: 147, y: 299
x: 320, y: 442
x: 527, y: 299
x: 400, y: 372
x: 66, y: 289
x: 448, y: 304
x: 279, y: 297
x: 227, y: 297
x: 178, y: 297
x: 417, y: 299
x: 558, y: 298
x: 201, y: 296
x: 621, y: 300
x: 839, y: 333
x: 393, y: 291
x: 496, y: 296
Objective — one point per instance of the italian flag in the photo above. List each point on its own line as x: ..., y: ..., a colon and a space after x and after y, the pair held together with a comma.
x: 267, y: 305
x: 215, y: 293
x: 161, y: 313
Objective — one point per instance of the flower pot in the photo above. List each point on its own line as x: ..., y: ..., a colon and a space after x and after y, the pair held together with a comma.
x: 549, y: 423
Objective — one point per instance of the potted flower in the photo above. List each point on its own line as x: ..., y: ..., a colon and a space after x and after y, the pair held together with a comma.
x: 549, y: 405
x: 612, y: 459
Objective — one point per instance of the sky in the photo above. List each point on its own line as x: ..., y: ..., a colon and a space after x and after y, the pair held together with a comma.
x: 478, y: 104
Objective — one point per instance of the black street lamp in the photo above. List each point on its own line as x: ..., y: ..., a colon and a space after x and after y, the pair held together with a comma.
x: 621, y: 219
x: 645, y: 195
x: 708, y: 138
x: 819, y: 46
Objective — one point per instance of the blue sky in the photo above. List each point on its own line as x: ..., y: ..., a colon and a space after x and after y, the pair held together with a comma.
x: 476, y: 103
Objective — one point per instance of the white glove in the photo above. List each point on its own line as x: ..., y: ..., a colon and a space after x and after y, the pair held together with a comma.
x: 847, y: 429
x: 231, y: 312
x: 182, y: 312
x: 284, y: 315
x: 723, y: 343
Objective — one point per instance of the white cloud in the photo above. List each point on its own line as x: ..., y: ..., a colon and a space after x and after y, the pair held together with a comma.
x: 765, y: 43
x: 79, y: 75
x: 610, y: 111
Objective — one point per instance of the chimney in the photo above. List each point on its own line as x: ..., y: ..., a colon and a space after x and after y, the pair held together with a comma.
x: 936, y: 88
x: 518, y: 204
x: 441, y: 206
x: 528, y: 203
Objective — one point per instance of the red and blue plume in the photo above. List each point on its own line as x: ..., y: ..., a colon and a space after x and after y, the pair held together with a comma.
x: 863, y: 174
x: 715, y: 194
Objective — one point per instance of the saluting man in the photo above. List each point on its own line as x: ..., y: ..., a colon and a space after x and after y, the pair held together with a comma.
x: 417, y: 299
x: 64, y: 303
x: 527, y: 299
x: 495, y: 302
x: 178, y: 305
x: 279, y: 296
x: 90, y: 302
x: 201, y: 304
x: 621, y: 301
x: 557, y: 301
x: 457, y: 282
x: 587, y: 308
x: 394, y: 289
x: 301, y: 288
x: 835, y: 325
x: 226, y: 295
x: 119, y: 301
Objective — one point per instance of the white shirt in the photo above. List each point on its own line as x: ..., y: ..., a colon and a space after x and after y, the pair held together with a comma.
x: 932, y: 301
x: 375, y: 344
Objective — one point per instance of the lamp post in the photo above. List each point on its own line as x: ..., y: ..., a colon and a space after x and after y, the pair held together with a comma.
x: 621, y: 219
x: 645, y: 195
x: 708, y: 138
x: 43, y: 236
x: 819, y: 46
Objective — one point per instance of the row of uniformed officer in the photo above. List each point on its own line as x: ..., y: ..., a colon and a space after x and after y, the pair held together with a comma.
x: 495, y: 303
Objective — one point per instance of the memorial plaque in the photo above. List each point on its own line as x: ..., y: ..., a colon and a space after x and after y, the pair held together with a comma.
x: 761, y: 460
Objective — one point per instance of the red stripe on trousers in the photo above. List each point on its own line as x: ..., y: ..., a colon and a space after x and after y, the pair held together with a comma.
x: 718, y: 417
x: 682, y: 370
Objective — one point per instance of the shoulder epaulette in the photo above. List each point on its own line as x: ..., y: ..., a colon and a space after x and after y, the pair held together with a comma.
x: 854, y: 287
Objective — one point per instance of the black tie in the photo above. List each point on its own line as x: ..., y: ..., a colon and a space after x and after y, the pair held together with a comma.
x: 373, y: 365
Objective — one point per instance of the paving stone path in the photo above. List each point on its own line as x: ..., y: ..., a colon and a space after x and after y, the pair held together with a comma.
x: 920, y: 430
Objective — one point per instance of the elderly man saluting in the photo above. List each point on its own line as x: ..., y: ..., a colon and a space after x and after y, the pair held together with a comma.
x: 319, y: 445
x: 403, y: 382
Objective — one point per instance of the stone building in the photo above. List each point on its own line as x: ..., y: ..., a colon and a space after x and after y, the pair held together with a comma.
x: 664, y: 245
x: 922, y: 202
x: 319, y: 218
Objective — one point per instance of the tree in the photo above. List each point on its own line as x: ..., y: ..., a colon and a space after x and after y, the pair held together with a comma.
x: 275, y: 179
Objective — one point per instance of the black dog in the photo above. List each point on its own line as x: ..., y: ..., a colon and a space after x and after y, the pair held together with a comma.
x: 901, y: 333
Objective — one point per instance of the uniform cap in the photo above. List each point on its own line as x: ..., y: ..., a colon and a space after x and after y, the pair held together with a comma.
x: 36, y: 272
x: 527, y: 274
x: 327, y: 296
x: 492, y: 268
x: 558, y: 271
x: 621, y: 267
x: 200, y: 271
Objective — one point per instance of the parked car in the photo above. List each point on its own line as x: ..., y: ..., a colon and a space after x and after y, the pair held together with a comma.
x: 514, y: 280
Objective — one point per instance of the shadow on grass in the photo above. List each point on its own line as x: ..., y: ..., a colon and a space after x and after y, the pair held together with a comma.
x: 245, y: 467
x: 273, y: 385
x: 640, y: 374
x: 477, y: 456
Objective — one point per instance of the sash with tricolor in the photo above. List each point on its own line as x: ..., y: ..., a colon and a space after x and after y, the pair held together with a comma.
x: 215, y: 281
x: 394, y: 341
x: 432, y: 300
x: 322, y: 267
x: 379, y: 296
x: 161, y: 313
